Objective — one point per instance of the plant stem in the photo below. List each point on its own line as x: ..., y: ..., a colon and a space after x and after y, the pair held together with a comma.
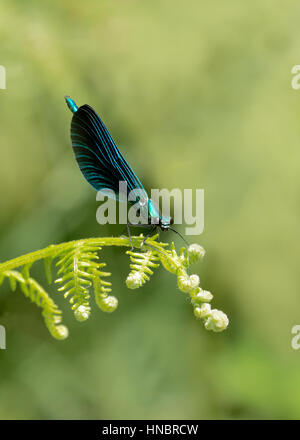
x: 55, y: 249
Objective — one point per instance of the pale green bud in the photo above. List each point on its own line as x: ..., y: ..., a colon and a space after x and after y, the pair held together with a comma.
x: 109, y: 304
x: 59, y: 332
x: 134, y: 280
x: 195, y: 252
x: 194, y: 281
x: 200, y: 295
x: 187, y: 283
x: 217, y: 321
x: 82, y: 313
x: 203, y: 311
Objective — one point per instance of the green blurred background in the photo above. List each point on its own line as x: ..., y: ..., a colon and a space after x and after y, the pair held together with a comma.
x: 198, y: 95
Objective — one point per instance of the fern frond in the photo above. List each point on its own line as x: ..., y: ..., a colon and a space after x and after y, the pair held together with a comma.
x: 141, y: 267
x: 76, y: 269
x: 102, y: 288
x: 34, y: 291
x: 79, y: 269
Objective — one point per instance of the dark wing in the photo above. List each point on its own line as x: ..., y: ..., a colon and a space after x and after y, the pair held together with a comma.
x: 97, y: 155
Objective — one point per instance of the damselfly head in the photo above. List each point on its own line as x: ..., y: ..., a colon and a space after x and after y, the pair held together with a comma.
x: 165, y: 222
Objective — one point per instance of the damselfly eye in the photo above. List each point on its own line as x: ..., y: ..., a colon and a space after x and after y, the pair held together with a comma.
x: 165, y: 222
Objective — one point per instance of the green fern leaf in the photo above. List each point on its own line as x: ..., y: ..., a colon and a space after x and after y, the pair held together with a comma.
x: 141, y: 267
x: 75, y: 268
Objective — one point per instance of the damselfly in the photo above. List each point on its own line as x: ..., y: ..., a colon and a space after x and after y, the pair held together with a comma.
x: 103, y: 165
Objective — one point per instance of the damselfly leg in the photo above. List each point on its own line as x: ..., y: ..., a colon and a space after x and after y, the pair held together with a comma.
x: 139, y: 226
